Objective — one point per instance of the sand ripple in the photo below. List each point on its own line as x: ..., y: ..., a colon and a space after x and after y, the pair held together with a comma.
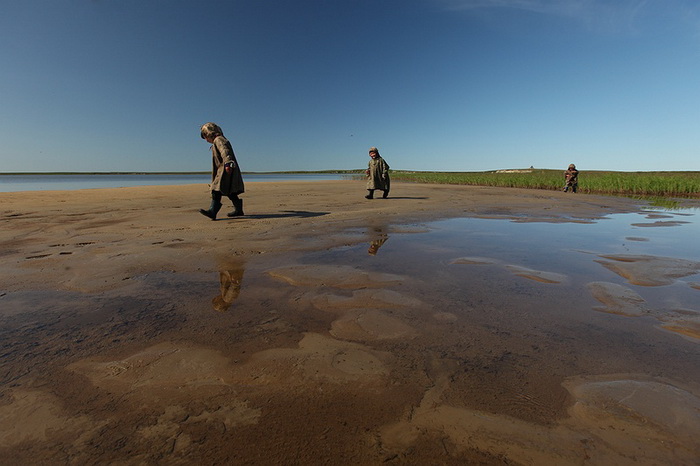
x: 618, y: 299
x: 319, y: 357
x: 683, y: 321
x: 649, y: 270
x: 537, y: 275
x: 474, y: 261
x: 336, y: 276
x: 365, y: 299
x: 369, y: 325
x: 614, y: 420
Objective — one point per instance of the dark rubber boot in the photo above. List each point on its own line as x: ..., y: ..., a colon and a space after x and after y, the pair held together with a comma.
x: 370, y: 195
x: 214, y: 208
x: 237, y: 209
x: 386, y: 194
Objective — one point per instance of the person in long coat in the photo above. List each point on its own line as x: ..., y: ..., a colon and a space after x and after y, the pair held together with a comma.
x: 377, y: 174
x: 226, y: 178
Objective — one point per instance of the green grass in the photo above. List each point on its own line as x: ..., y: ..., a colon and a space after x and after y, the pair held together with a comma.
x: 643, y: 184
x: 662, y: 184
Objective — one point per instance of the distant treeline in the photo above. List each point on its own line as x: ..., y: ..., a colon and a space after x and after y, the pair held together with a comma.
x: 666, y: 184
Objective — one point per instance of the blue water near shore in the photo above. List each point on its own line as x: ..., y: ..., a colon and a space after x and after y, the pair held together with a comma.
x: 14, y: 183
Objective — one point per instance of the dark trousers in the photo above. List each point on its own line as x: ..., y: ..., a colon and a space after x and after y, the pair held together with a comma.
x: 216, y: 201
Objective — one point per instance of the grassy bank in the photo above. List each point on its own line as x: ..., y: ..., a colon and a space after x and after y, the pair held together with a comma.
x: 666, y: 184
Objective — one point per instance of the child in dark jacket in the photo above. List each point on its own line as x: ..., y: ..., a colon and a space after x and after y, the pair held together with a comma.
x: 571, y: 177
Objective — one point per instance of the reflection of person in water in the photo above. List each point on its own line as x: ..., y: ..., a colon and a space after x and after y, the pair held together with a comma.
x: 230, y: 286
x: 376, y: 244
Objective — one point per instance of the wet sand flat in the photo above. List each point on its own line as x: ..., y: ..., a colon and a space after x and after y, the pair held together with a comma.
x: 133, y: 330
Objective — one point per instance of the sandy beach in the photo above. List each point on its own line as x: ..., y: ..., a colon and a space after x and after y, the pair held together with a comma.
x: 136, y: 331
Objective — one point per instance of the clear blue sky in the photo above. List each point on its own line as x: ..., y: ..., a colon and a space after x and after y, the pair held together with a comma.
x: 456, y: 85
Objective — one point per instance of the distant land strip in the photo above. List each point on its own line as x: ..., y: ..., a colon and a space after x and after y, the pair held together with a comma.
x: 684, y: 184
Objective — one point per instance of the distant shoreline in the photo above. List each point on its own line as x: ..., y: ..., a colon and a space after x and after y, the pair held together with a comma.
x: 350, y: 172
x: 322, y: 172
x: 659, y: 183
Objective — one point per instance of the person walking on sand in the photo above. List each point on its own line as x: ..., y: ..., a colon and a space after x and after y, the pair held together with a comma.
x: 226, y: 178
x: 377, y: 174
x: 571, y: 177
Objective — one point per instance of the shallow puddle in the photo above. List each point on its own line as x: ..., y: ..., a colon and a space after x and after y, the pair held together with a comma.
x: 480, y: 340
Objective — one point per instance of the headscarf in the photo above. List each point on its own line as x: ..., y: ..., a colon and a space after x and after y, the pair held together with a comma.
x: 374, y: 149
x: 210, y: 128
x: 572, y: 167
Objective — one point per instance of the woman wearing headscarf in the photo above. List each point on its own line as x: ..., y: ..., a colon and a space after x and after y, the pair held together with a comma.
x: 226, y: 178
x: 377, y: 174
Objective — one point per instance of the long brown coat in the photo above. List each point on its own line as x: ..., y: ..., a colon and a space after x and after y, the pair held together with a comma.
x: 226, y: 183
x: 378, y: 174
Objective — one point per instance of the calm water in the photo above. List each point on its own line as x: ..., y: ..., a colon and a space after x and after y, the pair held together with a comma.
x: 13, y: 183
x: 488, y: 332
x: 509, y: 319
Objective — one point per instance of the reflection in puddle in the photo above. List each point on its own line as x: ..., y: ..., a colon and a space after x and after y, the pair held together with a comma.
x: 379, y: 238
x: 229, y: 286
x: 375, y: 245
x: 469, y: 340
